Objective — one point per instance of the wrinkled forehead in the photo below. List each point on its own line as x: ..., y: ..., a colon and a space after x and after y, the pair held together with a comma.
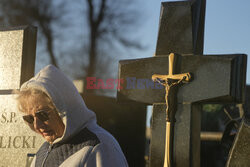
x: 32, y: 103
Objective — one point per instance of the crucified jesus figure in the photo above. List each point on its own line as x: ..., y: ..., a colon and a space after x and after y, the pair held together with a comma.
x: 170, y: 82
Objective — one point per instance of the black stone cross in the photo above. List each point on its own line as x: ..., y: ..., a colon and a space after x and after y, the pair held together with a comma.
x: 216, y: 78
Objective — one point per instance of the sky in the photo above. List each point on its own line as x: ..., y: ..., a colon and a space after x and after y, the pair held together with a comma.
x: 227, y: 27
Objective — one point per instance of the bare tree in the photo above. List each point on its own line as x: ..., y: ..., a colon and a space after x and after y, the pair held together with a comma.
x: 109, y: 22
x: 111, y: 27
x: 34, y: 12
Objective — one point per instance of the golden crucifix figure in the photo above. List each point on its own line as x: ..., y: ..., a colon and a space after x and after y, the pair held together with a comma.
x: 170, y: 82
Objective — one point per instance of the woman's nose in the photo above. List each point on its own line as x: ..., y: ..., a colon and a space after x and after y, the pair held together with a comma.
x: 38, y: 123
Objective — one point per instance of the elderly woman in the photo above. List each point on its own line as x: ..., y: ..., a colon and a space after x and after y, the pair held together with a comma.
x: 53, y: 108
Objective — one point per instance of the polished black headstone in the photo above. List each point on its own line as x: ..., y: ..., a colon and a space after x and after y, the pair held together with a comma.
x: 181, y: 28
x: 215, y: 78
x: 247, y: 102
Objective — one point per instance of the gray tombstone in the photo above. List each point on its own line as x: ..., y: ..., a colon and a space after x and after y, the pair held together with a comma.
x: 216, y: 78
x: 240, y: 151
x: 17, y: 59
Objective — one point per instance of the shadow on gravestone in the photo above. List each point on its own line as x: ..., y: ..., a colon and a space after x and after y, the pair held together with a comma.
x: 126, y: 122
x: 247, y: 103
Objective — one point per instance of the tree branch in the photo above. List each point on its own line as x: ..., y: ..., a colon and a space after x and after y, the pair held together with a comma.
x: 101, y: 13
x: 90, y: 13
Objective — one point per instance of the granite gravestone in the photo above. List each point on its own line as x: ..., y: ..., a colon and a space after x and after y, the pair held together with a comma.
x: 240, y: 150
x: 216, y: 78
x: 17, y: 60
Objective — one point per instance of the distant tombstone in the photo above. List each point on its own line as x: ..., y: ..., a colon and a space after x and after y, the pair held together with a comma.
x: 17, y: 59
x: 79, y: 84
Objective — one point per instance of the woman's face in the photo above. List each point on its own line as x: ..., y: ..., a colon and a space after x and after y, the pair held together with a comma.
x: 50, y: 128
